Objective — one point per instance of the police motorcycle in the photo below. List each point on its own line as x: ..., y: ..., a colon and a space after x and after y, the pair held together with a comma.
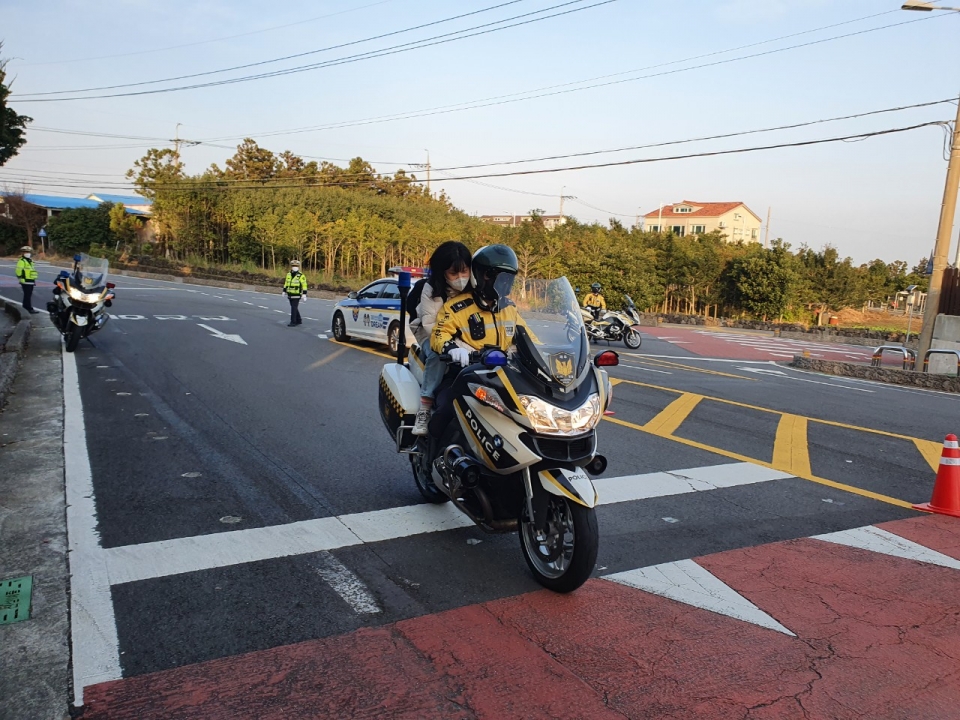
x: 523, y: 437
x: 614, y: 326
x: 80, y: 298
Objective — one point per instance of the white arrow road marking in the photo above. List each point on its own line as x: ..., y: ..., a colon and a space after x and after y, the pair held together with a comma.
x: 687, y: 582
x: 764, y: 371
x: 880, y: 541
x: 224, y: 336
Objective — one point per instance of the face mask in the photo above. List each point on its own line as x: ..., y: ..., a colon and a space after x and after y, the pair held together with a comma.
x: 295, y: 269
x: 27, y: 255
x: 460, y: 283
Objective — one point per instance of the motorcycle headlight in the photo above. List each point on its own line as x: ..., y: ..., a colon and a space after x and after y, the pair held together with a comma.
x: 82, y: 296
x: 549, y: 419
x: 488, y: 396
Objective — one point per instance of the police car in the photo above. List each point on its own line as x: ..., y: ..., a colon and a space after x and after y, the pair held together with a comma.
x: 373, y: 313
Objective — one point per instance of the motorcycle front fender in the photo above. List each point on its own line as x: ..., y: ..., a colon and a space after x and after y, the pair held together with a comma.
x: 80, y: 320
x: 574, y: 485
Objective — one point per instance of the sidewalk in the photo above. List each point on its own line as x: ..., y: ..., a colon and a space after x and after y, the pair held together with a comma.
x: 34, y: 653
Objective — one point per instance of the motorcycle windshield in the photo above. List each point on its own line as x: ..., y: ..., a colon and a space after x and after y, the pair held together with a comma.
x: 91, y: 273
x: 555, y: 348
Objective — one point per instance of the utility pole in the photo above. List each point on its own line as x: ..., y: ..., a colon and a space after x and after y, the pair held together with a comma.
x: 176, y: 143
x: 766, y: 233
x: 428, y: 172
x: 942, y: 248
x: 660, y: 219
x: 564, y: 187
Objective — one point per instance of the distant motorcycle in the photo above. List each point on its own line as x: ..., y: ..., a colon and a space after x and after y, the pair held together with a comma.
x: 79, y: 299
x: 614, y: 326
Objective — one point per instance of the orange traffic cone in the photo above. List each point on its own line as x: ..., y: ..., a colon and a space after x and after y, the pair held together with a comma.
x: 946, y: 488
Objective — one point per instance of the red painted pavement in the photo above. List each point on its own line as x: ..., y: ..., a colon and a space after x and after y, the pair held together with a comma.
x: 878, y: 637
x: 743, y: 346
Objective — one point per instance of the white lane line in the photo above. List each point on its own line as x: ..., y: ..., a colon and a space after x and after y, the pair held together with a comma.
x: 347, y: 585
x: 93, y: 627
x: 263, y: 307
x: 131, y: 563
x: 246, y: 302
x: 637, y: 367
x: 279, y: 311
x: 880, y: 541
x: 687, y: 582
x: 321, y: 335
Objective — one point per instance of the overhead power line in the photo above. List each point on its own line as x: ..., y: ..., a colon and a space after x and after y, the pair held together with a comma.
x: 569, y: 87
x: 207, y: 42
x: 393, y: 50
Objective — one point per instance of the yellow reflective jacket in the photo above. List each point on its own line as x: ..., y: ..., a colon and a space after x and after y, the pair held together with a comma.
x: 595, y: 300
x: 296, y: 284
x: 26, y: 273
x: 462, y: 319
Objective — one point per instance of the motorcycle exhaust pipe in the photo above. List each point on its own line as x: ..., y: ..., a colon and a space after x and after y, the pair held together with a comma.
x: 597, y: 466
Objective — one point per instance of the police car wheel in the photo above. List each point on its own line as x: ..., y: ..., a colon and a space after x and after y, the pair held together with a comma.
x: 339, y: 328
x: 393, y: 337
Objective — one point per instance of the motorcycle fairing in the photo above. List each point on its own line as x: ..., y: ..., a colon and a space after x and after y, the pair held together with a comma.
x: 572, y: 484
x: 485, y: 429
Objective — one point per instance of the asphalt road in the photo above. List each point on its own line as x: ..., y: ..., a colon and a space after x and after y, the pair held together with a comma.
x: 191, y: 435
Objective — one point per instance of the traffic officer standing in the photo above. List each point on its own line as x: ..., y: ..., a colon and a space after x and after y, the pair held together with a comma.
x: 27, y: 275
x: 295, y: 288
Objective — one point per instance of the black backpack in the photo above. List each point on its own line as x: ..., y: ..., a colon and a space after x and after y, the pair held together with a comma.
x: 413, y: 299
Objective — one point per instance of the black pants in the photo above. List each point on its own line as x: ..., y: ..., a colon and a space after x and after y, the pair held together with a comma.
x: 27, y: 294
x: 294, y: 310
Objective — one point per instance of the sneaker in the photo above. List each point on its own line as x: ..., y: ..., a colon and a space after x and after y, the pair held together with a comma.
x: 423, y: 419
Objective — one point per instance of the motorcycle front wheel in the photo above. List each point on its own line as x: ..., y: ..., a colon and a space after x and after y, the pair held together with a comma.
x: 74, y: 335
x: 632, y: 339
x: 423, y: 478
x: 563, y: 557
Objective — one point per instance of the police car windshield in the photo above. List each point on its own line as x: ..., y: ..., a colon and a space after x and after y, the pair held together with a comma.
x: 91, y: 273
x: 552, y: 312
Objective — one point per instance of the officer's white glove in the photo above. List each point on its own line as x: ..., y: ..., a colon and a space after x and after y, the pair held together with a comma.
x: 283, y: 292
x: 459, y: 355
x: 303, y: 298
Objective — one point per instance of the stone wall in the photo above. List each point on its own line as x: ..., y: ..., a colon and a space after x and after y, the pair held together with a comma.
x: 930, y: 381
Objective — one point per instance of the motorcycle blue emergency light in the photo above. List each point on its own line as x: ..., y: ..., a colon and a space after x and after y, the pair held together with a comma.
x: 494, y: 358
x: 77, y: 257
x: 403, y: 280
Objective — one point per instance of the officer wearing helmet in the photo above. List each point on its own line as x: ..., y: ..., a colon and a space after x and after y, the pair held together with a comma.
x: 484, y: 316
x: 594, y: 301
x: 27, y: 275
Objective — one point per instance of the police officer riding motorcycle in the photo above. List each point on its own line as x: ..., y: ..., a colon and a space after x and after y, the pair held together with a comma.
x: 514, y: 432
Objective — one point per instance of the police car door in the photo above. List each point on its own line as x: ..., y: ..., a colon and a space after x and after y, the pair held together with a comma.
x: 388, y: 309
x: 360, y: 318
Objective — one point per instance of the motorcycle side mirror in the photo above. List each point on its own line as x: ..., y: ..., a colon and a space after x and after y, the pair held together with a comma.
x: 352, y: 296
x: 608, y: 358
x: 494, y: 358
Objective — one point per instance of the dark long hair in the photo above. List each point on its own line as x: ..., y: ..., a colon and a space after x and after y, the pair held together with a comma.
x: 451, y: 254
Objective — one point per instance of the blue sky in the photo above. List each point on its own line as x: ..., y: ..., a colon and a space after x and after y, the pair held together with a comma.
x: 875, y: 198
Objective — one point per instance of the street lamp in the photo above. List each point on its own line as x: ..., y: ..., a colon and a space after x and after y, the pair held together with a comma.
x: 911, y: 295
x: 925, y: 6
x: 947, y: 211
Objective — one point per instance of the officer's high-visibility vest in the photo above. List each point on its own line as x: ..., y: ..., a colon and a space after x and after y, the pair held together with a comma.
x: 295, y: 284
x: 26, y: 273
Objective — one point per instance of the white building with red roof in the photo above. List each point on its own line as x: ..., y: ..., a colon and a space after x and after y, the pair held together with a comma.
x: 734, y: 219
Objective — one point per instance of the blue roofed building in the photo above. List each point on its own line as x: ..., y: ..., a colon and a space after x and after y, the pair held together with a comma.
x: 134, y: 204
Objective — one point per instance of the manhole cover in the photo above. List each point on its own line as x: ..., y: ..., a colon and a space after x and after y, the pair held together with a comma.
x: 15, y: 599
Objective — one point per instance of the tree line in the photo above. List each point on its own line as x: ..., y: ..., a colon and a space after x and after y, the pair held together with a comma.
x: 352, y: 224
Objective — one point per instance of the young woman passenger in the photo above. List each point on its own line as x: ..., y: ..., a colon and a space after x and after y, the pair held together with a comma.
x: 449, y: 277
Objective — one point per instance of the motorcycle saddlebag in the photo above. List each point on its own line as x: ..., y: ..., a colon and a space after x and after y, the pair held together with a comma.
x: 399, y: 398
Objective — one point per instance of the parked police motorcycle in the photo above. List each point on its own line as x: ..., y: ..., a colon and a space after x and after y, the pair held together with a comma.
x: 516, y: 455
x: 614, y: 326
x: 80, y: 298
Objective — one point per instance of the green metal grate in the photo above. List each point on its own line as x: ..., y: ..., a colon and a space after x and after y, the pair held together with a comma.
x: 15, y: 599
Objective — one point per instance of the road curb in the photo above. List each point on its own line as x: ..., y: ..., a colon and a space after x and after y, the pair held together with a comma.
x: 14, y: 349
x: 945, y: 383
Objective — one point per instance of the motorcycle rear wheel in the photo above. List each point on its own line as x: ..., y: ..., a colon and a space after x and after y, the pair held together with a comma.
x: 73, y: 337
x: 632, y: 339
x: 563, y: 559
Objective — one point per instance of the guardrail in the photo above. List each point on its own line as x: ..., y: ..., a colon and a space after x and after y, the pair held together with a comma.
x: 940, y: 351
x: 909, y: 356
